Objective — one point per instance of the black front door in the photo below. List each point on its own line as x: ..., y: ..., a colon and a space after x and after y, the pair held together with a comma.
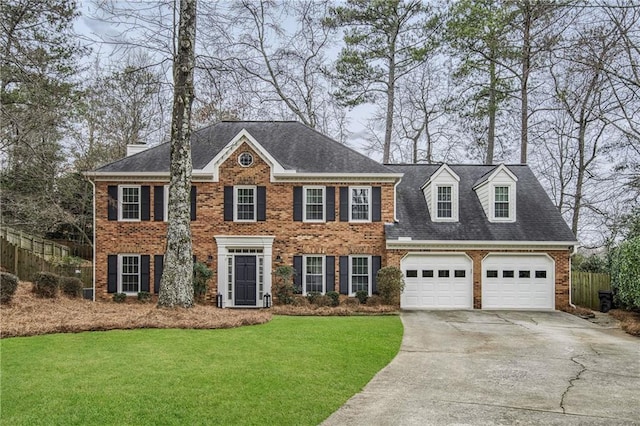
x: 245, y: 280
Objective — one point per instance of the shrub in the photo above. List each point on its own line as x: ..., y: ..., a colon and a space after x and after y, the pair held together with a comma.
x: 299, y: 300
x: 625, y: 273
x: 8, y: 286
x: 593, y: 263
x: 201, y: 276
x: 312, y: 296
x: 374, y: 300
x: 119, y: 297
x: 335, y: 297
x: 144, y: 296
x: 71, y: 286
x: 390, y: 284
x: 362, y: 296
x: 46, y: 284
x: 283, y: 289
x: 323, y: 300
x: 351, y: 301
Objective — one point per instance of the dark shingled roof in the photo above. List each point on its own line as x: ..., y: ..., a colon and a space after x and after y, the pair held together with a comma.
x: 294, y: 145
x: 537, y: 219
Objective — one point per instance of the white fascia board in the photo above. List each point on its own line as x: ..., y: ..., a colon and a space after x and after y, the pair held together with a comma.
x: 437, y: 173
x: 212, y: 167
x: 127, y: 176
x: 338, y: 177
x: 474, y: 245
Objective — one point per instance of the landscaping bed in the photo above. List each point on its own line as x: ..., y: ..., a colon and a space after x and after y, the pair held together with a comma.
x: 29, y: 315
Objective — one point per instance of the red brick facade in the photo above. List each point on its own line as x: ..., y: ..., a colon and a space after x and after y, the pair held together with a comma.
x: 291, y: 238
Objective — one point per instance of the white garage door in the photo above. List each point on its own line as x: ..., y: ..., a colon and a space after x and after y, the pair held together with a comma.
x: 437, y: 281
x: 518, y: 282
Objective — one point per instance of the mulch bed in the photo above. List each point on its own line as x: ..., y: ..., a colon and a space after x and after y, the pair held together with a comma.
x: 629, y: 320
x: 28, y: 315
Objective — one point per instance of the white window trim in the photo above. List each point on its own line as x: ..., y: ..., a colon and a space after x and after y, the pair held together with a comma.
x: 121, y: 204
x: 512, y: 201
x: 370, y: 285
x: 235, y: 203
x: 351, y: 219
x: 304, y: 273
x: 304, y: 204
x: 454, y: 203
x: 120, y: 256
x: 165, y: 210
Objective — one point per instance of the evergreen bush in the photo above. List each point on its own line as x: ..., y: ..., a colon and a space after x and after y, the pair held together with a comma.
x: 71, y: 286
x: 390, y: 284
x: 46, y: 284
x: 8, y: 287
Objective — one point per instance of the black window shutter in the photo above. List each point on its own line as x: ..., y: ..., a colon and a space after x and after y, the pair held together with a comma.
x: 330, y: 273
x: 330, y: 203
x: 112, y: 273
x: 262, y: 204
x: 158, y: 261
x: 194, y: 193
x: 145, y: 203
x: 344, y: 274
x: 376, y: 263
x: 297, y: 203
x: 158, y: 203
x: 145, y: 260
x: 297, y: 277
x: 376, y: 204
x: 228, y: 203
x: 344, y: 204
x: 112, y: 202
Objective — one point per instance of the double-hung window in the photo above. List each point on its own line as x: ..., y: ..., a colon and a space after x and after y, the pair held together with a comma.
x: 445, y: 203
x: 313, y: 274
x: 245, y: 203
x: 501, y: 202
x: 360, y: 273
x: 360, y: 204
x: 314, y: 204
x: 129, y: 273
x: 129, y: 203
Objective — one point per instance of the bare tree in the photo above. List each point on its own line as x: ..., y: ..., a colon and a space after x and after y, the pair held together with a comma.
x: 176, y: 285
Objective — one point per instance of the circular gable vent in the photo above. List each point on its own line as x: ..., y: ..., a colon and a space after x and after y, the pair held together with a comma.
x: 245, y: 159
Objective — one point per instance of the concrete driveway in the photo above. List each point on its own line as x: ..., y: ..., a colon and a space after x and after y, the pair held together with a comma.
x: 497, y: 367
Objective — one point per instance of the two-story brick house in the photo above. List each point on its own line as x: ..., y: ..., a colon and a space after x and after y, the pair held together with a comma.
x: 266, y: 194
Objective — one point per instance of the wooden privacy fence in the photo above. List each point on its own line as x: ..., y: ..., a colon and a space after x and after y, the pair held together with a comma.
x: 36, y: 245
x: 25, y: 264
x: 585, y: 287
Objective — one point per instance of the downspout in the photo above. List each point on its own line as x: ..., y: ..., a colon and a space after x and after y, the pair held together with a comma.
x: 573, y: 251
x: 395, y: 200
x: 93, y: 184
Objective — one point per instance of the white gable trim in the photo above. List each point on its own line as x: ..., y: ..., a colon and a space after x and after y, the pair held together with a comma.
x: 494, y: 173
x: 437, y: 173
x: 213, y: 167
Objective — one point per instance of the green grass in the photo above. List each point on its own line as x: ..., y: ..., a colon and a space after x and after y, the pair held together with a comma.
x: 291, y: 371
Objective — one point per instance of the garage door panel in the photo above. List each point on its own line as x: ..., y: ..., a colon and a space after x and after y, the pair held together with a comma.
x: 518, y: 281
x: 436, y: 285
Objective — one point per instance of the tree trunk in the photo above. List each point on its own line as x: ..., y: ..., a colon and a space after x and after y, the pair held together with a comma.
x: 176, y: 285
x: 389, y: 118
x: 491, y: 136
x: 526, y: 64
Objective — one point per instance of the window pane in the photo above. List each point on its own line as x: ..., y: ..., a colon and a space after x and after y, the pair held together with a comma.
x: 492, y: 274
x: 444, y: 201
x: 507, y: 274
x: 130, y: 203
x: 359, y: 203
x: 443, y: 273
x: 412, y: 273
x: 130, y: 274
x: 524, y: 274
x: 427, y: 273
x: 541, y: 274
x: 501, y: 201
x: 359, y: 274
x: 313, y: 276
x: 245, y: 204
x: 460, y: 273
x: 314, y: 204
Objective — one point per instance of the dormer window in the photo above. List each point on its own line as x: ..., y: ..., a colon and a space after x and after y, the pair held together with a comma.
x: 441, y: 194
x: 445, y: 204
x: 497, y: 194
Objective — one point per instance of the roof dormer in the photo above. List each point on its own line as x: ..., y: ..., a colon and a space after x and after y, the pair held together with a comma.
x: 497, y: 194
x: 441, y: 194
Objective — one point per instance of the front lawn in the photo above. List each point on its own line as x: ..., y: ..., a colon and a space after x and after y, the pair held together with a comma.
x: 290, y: 371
